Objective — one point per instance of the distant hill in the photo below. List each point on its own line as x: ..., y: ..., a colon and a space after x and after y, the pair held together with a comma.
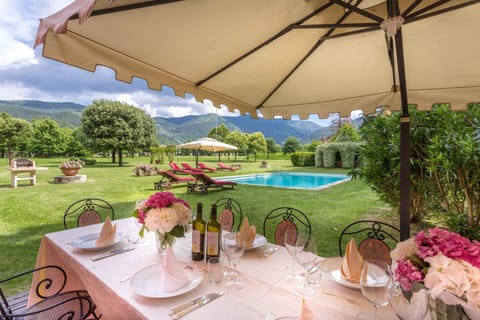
x: 174, y: 130
x: 67, y: 114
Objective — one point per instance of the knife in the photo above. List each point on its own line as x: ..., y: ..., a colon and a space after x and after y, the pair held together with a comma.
x: 111, y: 253
x: 188, y: 307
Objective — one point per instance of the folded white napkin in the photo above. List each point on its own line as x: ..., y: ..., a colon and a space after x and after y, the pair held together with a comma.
x: 247, y: 233
x: 173, y: 275
x: 306, y: 313
x: 352, y: 263
x: 107, y: 234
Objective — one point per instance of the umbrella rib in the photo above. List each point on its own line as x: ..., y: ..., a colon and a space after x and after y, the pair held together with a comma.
x: 357, y: 10
x: 127, y: 7
x: 428, y: 8
x: 415, y: 17
x: 309, y: 53
x: 263, y: 44
x: 411, y: 7
x: 335, y: 25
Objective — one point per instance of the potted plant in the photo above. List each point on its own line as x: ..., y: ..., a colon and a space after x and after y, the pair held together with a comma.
x: 71, y: 167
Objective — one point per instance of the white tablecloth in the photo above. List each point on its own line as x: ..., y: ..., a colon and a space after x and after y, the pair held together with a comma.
x: 266, y: 292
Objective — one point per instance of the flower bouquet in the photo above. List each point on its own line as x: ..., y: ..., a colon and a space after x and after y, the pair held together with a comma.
x: 165, y: 214
x: 447, y: 264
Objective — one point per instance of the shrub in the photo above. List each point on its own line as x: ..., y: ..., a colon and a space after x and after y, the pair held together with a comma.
x: 303, y: 159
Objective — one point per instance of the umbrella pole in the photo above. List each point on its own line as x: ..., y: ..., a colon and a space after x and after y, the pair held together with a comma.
x: 404, y: 143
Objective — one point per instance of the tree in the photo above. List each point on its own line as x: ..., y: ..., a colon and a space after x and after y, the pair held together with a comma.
x: 291, y: 145
x: 72, y: 139
x: 256, y: 143
x: 47, y: 139
x: 219, y: 133
x: 117, y: 126
x: 13, y: 131
x: 346, y: 133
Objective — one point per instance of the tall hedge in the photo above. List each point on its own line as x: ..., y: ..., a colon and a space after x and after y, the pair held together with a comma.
x: 303, y: 159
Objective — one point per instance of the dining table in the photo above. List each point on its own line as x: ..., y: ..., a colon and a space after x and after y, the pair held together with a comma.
x: 116, y: 283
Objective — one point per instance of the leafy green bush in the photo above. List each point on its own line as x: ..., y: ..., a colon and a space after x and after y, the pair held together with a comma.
x: 88, y: 162
x: 303, y: 159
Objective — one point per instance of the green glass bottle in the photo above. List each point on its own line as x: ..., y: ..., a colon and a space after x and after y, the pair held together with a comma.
x: 213, y: 235
x: 198, y: 235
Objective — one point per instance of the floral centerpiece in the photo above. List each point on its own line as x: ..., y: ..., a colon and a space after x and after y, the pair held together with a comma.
x: 165, y: 214
x: 445, y: 263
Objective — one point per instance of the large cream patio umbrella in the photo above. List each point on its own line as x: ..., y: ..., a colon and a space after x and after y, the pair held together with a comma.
x: 283, y: 57
x: 206, y: 144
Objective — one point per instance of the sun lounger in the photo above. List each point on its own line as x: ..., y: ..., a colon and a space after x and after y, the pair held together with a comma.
x: 186, y: 166
x: 223, y: 166
x: 177, y: 169
x: 169, y: 178
x: 205, y: 182
x: 205, y: 168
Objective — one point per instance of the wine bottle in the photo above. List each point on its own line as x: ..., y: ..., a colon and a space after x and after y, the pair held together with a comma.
x: 198, y: 235
x: 213, y: 234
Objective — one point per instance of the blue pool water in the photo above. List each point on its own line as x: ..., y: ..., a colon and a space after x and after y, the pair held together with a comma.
x: 294, y: 180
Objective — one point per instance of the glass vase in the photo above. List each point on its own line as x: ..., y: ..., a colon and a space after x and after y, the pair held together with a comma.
x: 162, y: 239
x: 439, y: 310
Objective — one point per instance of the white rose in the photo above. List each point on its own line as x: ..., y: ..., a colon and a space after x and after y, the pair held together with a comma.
x: 183, y: 213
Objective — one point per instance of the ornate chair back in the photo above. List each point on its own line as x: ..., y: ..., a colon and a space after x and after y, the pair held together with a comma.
x: 49, y: 299
x: 281, y: 219
x: 375, y: 239
x: 87, y: 211
x: 231, y: 215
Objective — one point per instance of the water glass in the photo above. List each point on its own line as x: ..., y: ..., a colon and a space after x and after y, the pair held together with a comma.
x: 306, y: 256
x: 233, y: 249
x: 290, y: 243
x: 413, y: 308
x: 215, y: 272
x: 374, y: 283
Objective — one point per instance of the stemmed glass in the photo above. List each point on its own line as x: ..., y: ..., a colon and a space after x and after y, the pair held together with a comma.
x: 306, y: 256
x: 374, y: 283
x: 234, y: 249
x: 414, y: 307
x: 290, y: 243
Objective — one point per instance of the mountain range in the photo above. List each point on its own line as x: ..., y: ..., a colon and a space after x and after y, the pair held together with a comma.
x: 177, y: 130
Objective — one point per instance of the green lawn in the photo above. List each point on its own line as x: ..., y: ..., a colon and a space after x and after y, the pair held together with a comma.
x: 27, y: 213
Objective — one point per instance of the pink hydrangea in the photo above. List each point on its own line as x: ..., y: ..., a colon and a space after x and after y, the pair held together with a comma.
x: 449, y: 244
x: 407, y: 274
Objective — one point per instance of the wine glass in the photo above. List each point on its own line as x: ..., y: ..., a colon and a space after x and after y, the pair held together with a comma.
x: 413, y: 307
x: 234, y: 249
x: 374, y: 283
x: 290, y: 243
x: 306, y: 256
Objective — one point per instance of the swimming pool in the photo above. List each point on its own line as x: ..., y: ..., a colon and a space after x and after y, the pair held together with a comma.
x: 292, y: 180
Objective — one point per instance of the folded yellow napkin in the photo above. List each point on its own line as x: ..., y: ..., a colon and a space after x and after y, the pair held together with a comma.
x: 247, y: 233
x: 173, y: 274
x: 352, y: 263
x: 306, y: 313
x: 107, y: 235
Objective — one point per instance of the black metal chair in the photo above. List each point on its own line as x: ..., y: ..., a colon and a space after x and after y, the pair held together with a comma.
x: 87, y: 211
x: 281, y: 219
x: 375, y: 239
x: 231, y: 215
x: 53, y: 302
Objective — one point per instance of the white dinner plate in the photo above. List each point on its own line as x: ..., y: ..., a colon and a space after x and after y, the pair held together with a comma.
x: 146, y: 281
x: 257, y: 242
x: 336, y: 276
x: 87, y: 242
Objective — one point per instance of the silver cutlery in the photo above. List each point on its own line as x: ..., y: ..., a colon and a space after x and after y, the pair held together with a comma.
x: 180, y: 311
x: 112, y: 253
x: 267, y: 252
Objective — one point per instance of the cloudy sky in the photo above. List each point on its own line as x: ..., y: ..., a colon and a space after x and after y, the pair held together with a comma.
x: 25, y: 74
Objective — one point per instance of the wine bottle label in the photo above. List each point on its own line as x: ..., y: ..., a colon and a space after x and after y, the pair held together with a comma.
x: 212, y: 243
x: 196, y: 241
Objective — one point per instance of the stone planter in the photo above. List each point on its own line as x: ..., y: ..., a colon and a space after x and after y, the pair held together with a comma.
x: 69, y: 172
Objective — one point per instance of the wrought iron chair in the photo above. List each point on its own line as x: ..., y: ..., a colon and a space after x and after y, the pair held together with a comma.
x: 87, y: 211
x: 281, y: 219
x: 53, y: 302
x: 375, y: 239
x: 231, y: 215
